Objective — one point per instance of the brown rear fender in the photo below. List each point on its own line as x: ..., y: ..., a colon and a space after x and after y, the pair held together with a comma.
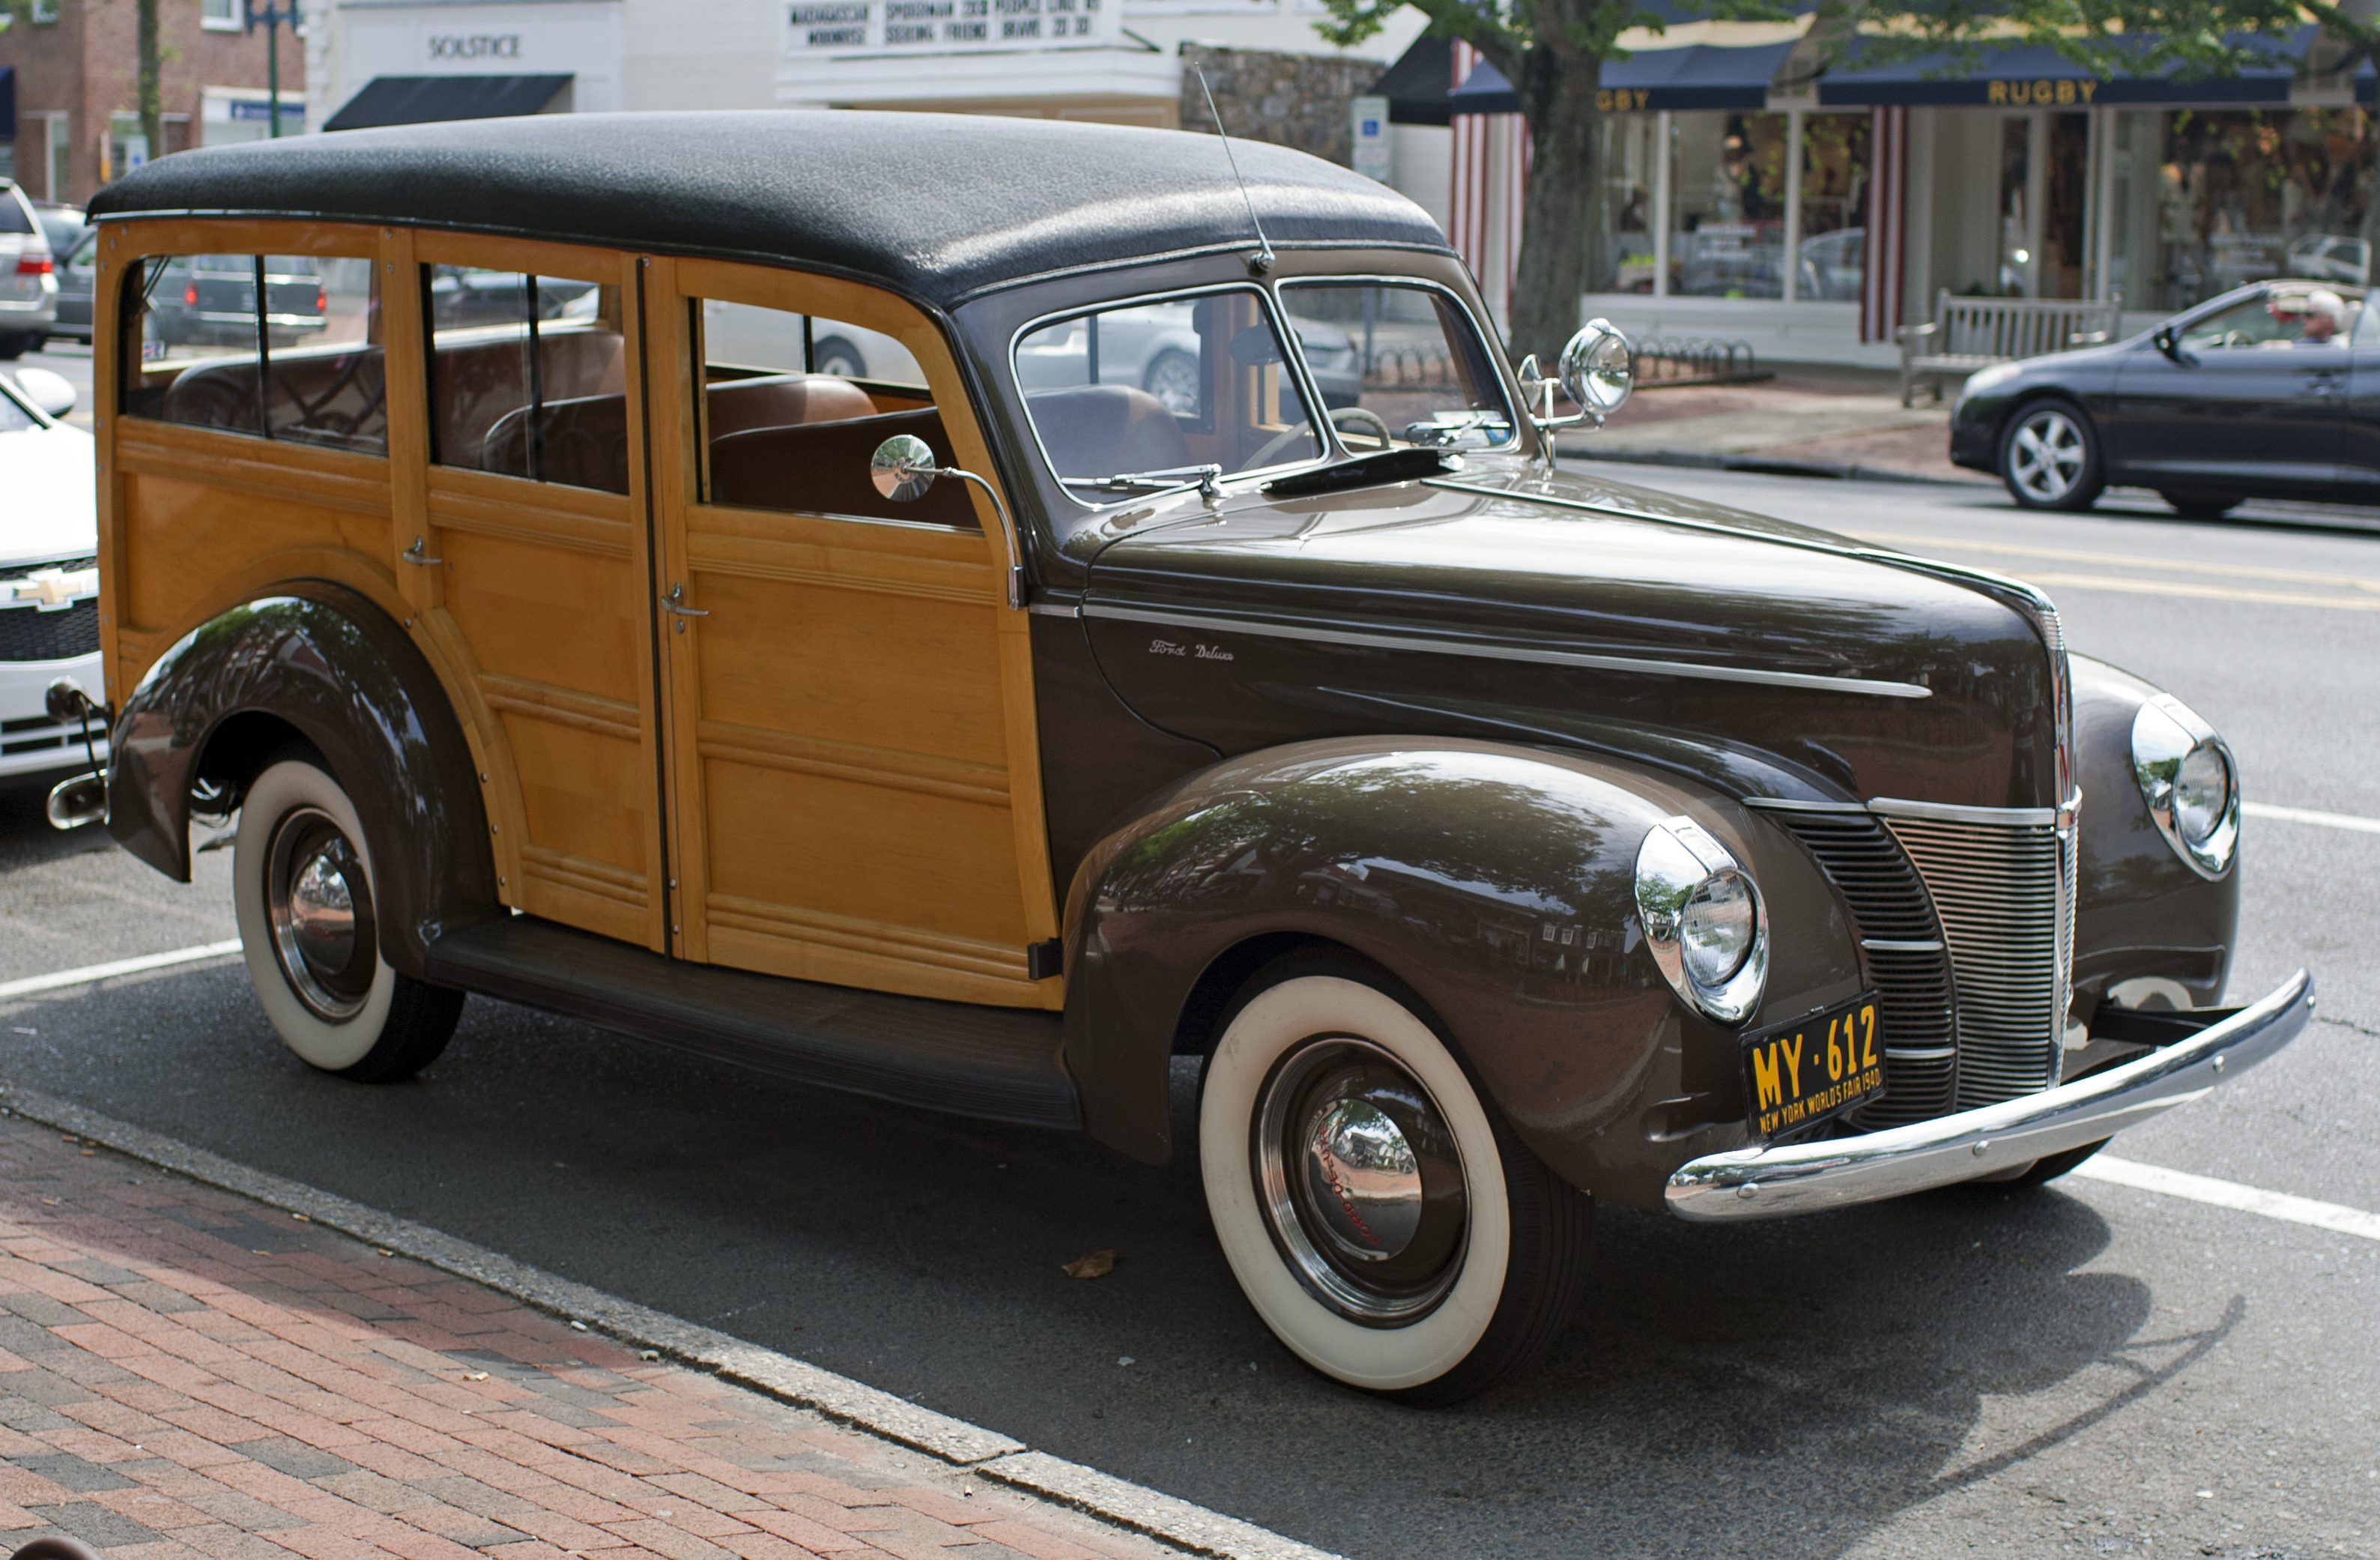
x: 315, y: 662
x: 1497, y: 881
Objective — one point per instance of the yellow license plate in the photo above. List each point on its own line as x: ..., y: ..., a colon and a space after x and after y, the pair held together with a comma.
x: 1805, y: 1071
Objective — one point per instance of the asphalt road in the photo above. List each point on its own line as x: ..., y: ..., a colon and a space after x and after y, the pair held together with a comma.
x: 2087, y: 1369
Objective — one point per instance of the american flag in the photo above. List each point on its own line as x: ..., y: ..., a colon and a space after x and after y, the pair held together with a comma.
x: 1492, y: 152
x: 1888, y: 223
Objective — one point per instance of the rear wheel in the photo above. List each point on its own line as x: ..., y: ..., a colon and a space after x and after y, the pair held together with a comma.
x: 2049, y: 458
x: 1378, y: 1214
x: 302, y: 888
x: 838, y: 357
x: 2203, y: 506
x: 13, y: 346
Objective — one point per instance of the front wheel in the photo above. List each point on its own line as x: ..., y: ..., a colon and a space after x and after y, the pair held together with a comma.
x: 1380, y: 1216
x: 302, y: 889
x: 2049, y: 458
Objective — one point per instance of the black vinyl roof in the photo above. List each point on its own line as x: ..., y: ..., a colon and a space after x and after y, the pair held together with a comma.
x: 940, y: 206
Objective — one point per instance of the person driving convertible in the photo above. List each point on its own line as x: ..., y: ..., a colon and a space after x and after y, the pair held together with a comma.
x: 2319, y: 317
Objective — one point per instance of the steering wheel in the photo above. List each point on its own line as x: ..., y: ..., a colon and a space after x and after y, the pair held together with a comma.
x: 1340, y: 416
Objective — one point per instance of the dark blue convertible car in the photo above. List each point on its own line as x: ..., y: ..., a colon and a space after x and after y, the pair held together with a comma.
x: 2270, y: 391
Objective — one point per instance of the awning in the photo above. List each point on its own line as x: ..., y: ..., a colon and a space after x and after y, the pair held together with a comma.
x: 9, y: 103
x: 1700, y: 75
x: 2034, y: 76
x: 1415, y: 86
x: 422, y: 100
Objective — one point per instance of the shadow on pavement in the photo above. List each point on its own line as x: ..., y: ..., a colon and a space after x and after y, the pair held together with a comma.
x: 1773, y: 1389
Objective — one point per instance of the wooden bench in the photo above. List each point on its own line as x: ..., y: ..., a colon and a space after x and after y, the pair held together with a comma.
x: 1968, y: 334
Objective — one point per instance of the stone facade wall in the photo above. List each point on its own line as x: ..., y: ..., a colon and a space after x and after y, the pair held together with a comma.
x: 1289, y: 100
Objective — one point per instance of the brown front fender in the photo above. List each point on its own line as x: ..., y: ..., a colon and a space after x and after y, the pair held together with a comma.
x: 1495, y: 881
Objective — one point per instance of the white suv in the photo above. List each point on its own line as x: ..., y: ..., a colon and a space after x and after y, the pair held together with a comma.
x: 49, y: 574
x: 28, y: 283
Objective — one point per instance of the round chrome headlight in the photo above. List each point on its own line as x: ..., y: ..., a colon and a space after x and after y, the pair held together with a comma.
x: 1703, y: 919
x: 2190, y: 781
x: 2202, y: 794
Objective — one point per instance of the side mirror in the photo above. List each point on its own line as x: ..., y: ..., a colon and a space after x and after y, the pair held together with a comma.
x: 46, y: 390
x: 2167, y: 341
x: 1597, y: 370
x: 904, y: 469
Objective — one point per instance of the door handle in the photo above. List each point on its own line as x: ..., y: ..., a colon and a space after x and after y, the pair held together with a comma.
x: 418, y: 558
x: 675, y: 602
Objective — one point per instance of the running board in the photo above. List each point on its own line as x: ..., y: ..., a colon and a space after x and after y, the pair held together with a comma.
x: 998, y: 1064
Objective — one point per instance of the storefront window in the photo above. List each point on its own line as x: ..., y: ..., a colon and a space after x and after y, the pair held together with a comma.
x: 1728, y: 188
x: 1834, y: 205
x: 2208, y: 201
x: 1629, y: 148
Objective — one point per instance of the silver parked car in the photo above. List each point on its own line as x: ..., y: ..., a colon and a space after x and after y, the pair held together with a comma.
x: 29, y: 283
x: 49, y: 574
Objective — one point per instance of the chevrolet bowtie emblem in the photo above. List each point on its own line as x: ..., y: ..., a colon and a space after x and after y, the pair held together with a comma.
x: 54, y: 586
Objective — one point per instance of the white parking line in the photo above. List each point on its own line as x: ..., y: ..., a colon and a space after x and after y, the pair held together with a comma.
x: 2331, y: 1217
x: 90, y: 972
x: 2307, y: 815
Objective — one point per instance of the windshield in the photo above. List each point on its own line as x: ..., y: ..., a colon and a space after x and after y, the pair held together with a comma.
x: 1398, y: 365
x: 1151, y: 395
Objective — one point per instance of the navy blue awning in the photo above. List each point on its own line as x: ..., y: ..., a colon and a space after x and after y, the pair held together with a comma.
x: 424, y: 99
x: 2035, y: 76
x: 1416, y: 85
x: 1698, y: 75
x: 8, y: 101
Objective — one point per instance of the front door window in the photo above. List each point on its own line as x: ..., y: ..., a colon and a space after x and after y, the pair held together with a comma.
x: 1146, y: 396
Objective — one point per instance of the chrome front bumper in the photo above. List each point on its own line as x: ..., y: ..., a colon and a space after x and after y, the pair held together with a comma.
x: 1838, y: 1172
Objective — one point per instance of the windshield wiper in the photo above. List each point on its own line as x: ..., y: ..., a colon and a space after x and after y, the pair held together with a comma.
x: 1362, y: 471
x: 1205, y: 476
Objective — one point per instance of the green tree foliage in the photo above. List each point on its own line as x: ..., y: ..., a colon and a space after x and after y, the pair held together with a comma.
x: 1553, y: 52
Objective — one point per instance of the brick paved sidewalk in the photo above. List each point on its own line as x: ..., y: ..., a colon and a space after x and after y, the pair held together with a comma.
x: 187, y: 1373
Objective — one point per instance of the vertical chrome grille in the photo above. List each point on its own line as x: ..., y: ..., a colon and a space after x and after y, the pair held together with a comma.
x: 2005, y: 894
x: 1902, y: 948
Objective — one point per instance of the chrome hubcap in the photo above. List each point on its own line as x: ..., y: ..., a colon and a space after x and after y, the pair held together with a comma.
x: 318, y: 903
x: 1174, y: 382
x: 1361, y: 1182
x: 2045, y: 456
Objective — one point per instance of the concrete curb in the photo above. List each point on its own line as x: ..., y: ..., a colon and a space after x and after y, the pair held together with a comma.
x: 1763, y: 465
x: 983, y: 1452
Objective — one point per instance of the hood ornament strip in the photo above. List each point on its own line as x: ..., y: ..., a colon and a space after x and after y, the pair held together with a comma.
x: 1490, y: 651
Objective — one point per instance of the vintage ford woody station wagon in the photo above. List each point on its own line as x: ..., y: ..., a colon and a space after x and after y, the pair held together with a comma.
x: 1146, y: 636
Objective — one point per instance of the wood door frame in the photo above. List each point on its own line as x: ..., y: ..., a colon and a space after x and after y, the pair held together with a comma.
x: 676, y: 284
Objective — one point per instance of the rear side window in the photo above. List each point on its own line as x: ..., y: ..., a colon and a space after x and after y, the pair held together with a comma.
x: 15, y: 216
x: 304, y: 365
x: 527, y: 376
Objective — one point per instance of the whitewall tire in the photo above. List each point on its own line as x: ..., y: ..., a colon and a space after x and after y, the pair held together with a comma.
x: 1382, y: 1221
x: 302, y: 891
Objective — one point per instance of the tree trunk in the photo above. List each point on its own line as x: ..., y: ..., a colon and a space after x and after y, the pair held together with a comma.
x: 153, y: 111
x: 1563, y: 244
x: 2370, y: 229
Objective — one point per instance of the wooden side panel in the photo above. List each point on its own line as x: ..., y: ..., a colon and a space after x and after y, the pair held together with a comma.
x: 544, y: 600
x: 853, y: 800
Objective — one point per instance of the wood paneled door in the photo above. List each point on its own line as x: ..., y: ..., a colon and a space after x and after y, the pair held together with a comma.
x: 853, y: 789
x: 533, y: 571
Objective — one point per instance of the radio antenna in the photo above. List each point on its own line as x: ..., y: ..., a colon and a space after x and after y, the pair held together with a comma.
x: 1260, y: 261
